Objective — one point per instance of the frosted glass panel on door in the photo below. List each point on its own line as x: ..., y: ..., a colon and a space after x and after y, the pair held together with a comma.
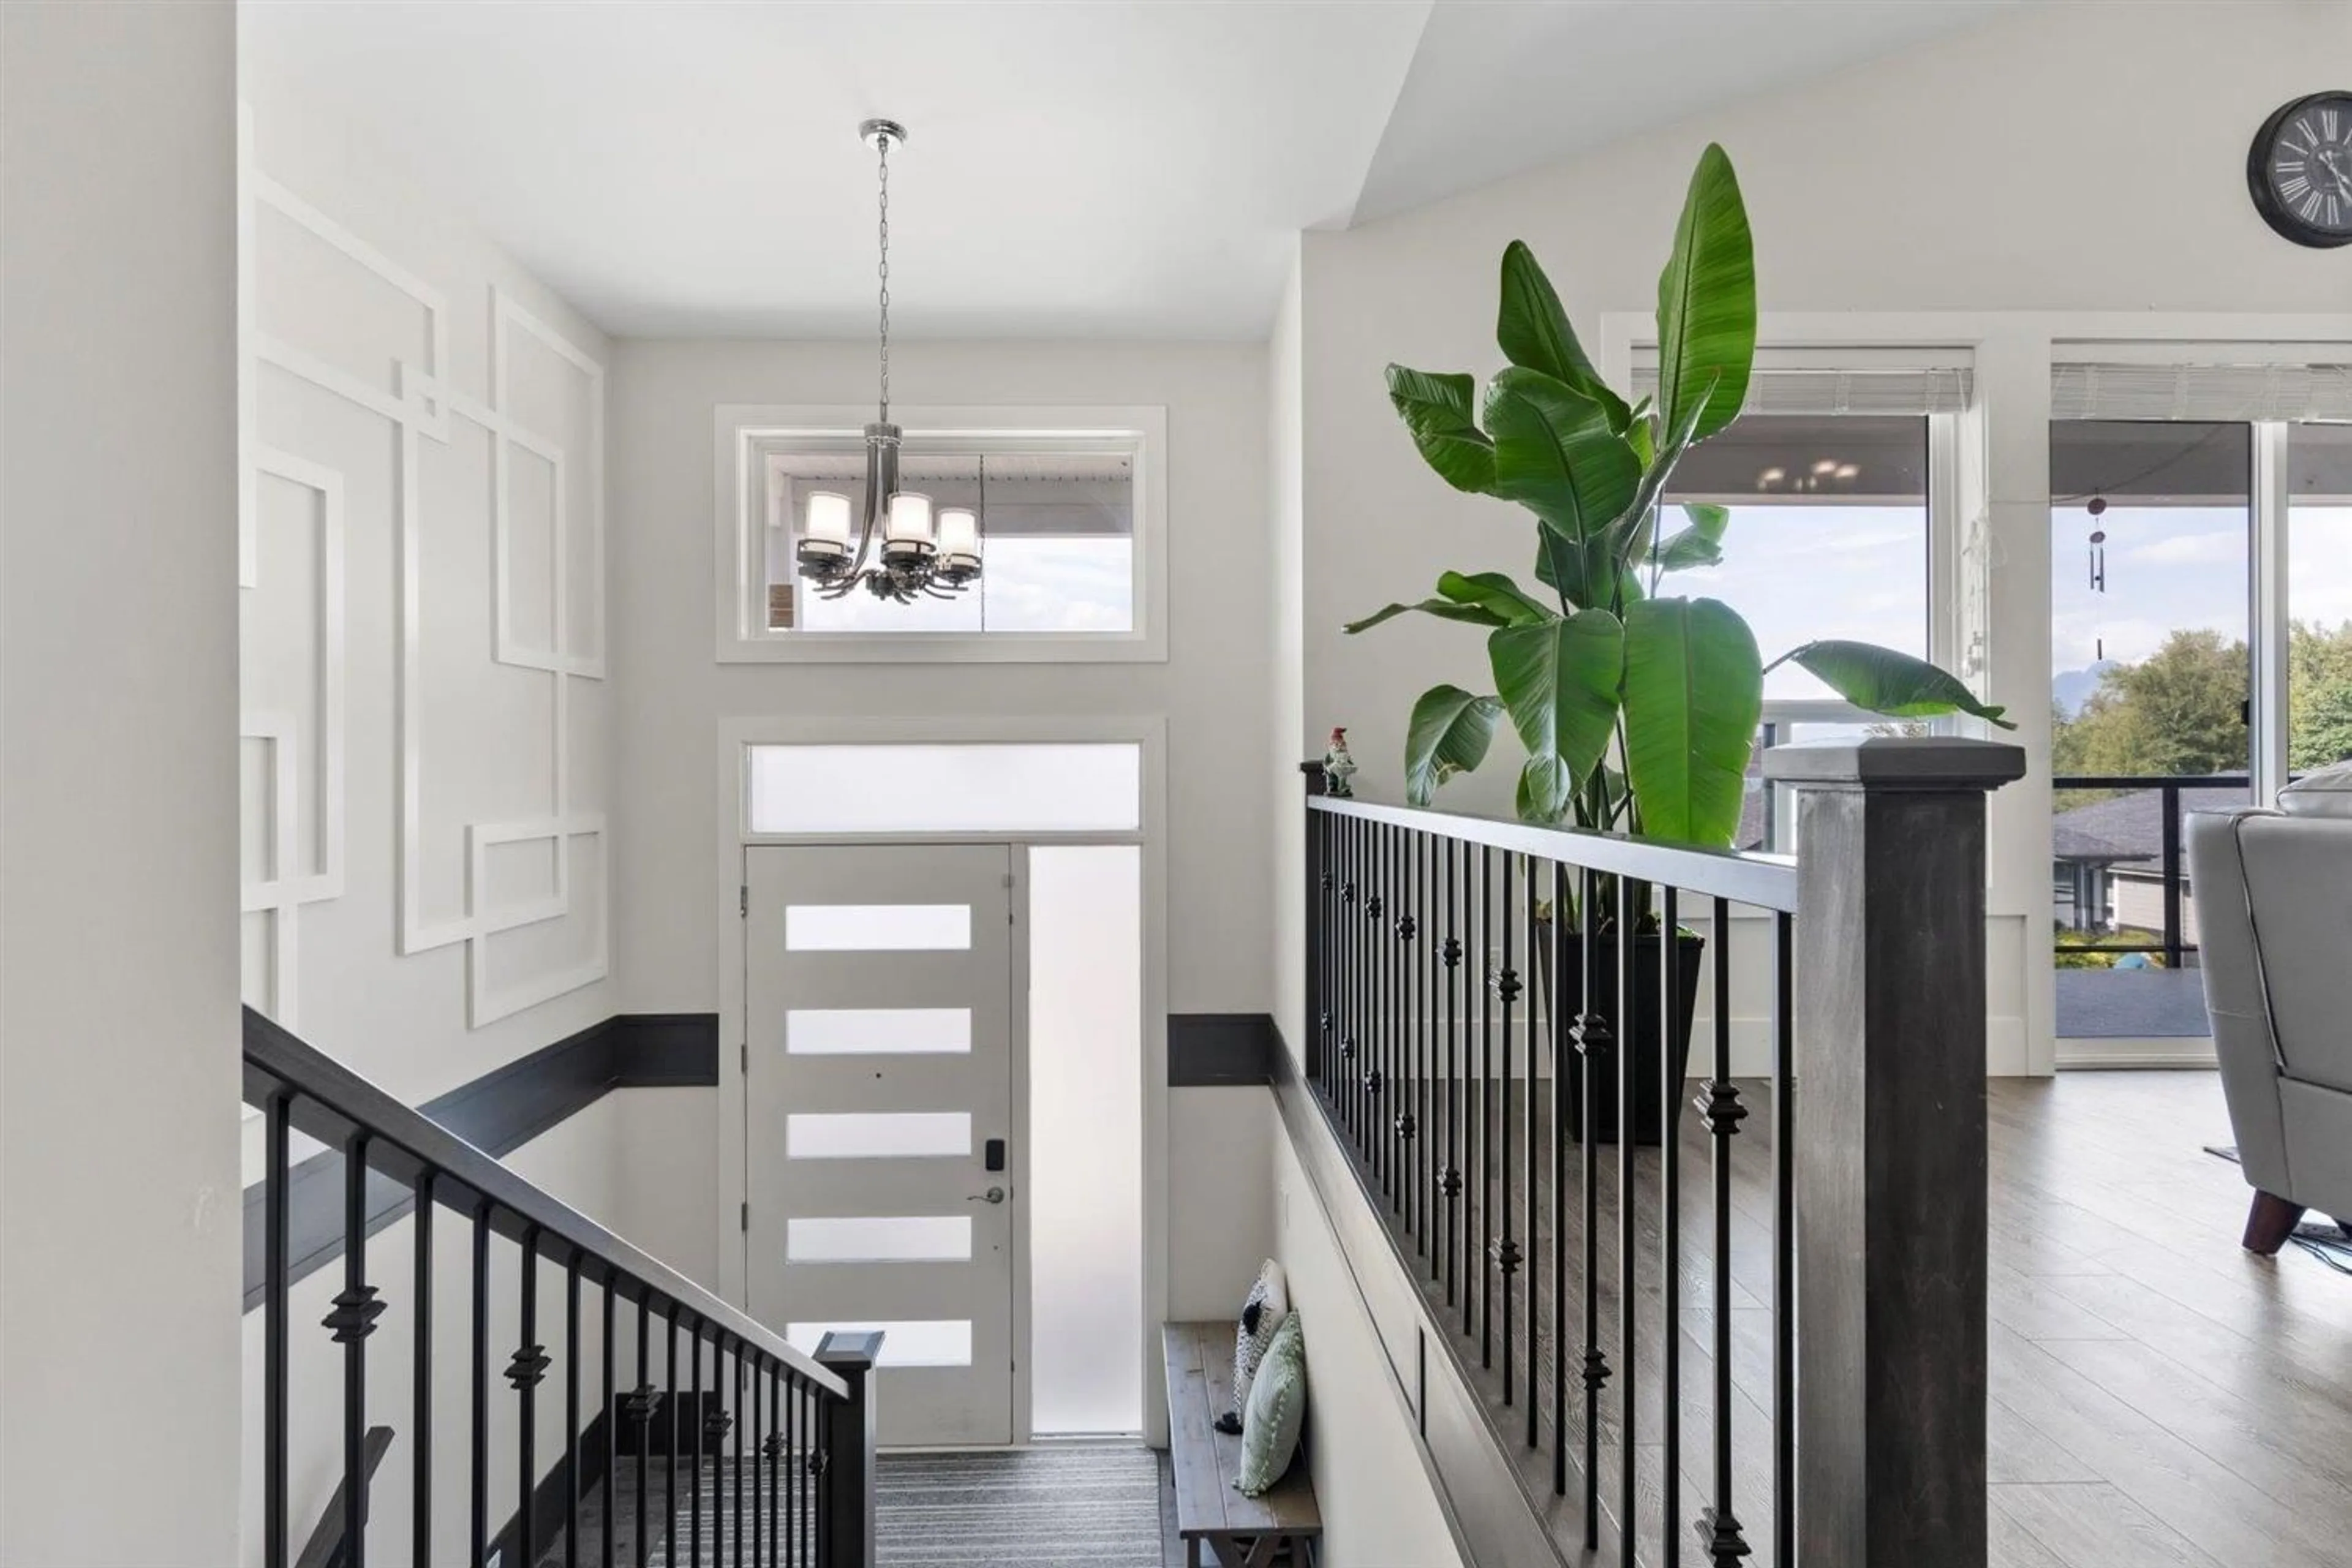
x: 877, y: 1031
x: 877, y: 928
x: 937, y: 1341
x: 877, y: 1134
x: 879, y: 1238
x: 1055, y: 788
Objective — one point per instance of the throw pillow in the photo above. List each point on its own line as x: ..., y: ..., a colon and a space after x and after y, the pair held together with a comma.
x: 1262, y: 1313
x: 1276, y: 1412
x: 2326, y: 792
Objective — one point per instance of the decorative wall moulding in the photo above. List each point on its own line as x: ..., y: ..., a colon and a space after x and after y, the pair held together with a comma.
x: 419, y: 404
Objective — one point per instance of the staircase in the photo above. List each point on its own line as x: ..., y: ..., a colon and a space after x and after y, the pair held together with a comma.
x: 588, y: 1395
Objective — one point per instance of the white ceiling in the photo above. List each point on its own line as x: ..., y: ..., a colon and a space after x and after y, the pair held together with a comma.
x: 1114, y: 168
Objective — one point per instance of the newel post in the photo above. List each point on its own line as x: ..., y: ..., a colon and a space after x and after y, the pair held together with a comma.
x: 848, y: 1451
x: 1890, y: 1169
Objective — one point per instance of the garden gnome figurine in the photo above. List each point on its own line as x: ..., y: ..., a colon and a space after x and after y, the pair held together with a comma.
x: 1338, y: 765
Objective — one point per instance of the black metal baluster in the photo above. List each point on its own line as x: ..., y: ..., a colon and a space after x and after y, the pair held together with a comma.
x: 1351, y: 1066
x: 641, y: 1403
x: 1378, y: 1136
x: 1457, y: 1064
x: 1425, y: 1096
x: 701, y: 1422
x: 528, y: 1365
x: 1670, y: 1199
x: 1558, y: 1000
x: 821, y: 1514
x: 420, y: 1520
x: 1486, y: 932
x: 356, y: 1309
x: 274, y: 1286
x: 1591, y: 1047
x: 571, y: 1412
x: 669, y: 1483
x: 789, y: 1482
x: 610, y: 1409
x: 1408, y: 1092
x: 774, y: 1448
x: 477, y: 1506
x: 1350, y: 978
x: 1319, y: 948
x: 1628, y: 1176
x: 1507, y: 1248
x: 738, y: 1429
x: 714, y: 1425
x: 759, y: 1432
x: 1530, y: 1273
x: 1784, y: 1244
x: 1718, y: 1525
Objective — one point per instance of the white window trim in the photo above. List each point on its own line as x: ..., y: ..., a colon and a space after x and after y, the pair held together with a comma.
x: 740, y: 553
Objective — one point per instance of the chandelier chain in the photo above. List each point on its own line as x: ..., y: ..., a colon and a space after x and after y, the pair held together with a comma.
x: 883, y: 270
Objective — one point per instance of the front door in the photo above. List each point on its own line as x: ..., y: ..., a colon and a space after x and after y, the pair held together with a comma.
x: 879, y: 1094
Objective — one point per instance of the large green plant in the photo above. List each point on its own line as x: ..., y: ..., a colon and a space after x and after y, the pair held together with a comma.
x: 1637, y: 709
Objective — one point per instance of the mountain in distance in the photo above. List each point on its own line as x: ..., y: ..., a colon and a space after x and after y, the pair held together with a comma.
x: 2070, y: 688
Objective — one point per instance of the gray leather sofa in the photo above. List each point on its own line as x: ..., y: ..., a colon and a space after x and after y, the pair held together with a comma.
x: 2274, y: 894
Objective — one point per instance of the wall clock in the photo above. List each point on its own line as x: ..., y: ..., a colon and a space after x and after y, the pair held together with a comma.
x: 2300, y: 170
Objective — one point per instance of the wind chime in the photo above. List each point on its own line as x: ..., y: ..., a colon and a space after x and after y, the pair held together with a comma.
x: 2098, y: 549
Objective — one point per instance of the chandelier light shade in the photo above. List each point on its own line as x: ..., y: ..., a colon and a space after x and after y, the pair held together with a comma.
x: 890, y: 540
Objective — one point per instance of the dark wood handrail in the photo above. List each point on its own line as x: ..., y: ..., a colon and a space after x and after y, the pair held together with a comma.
x: 329, y: 1101
x: 1761, y: 881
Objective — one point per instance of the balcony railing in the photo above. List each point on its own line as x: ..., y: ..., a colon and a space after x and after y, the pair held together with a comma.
x: 2171, y: 941
x: 1492, y: 1004
x: 796, y: 1489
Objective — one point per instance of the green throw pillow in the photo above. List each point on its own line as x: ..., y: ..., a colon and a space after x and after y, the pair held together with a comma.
x: 1276, y: 1412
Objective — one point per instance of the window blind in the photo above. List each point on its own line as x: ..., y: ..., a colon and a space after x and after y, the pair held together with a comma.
x: 2218, y: 392
x: 1942, y: 389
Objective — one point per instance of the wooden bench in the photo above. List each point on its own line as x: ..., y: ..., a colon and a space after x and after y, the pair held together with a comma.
x: 1282, y: 1526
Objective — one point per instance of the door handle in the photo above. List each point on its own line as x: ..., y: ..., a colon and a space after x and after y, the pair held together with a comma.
x: 994, y: 1195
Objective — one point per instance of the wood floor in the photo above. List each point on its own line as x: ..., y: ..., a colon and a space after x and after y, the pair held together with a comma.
x: 2159, y: 1395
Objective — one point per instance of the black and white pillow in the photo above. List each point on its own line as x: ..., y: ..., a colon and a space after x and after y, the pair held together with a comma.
x: 1262, y: 1313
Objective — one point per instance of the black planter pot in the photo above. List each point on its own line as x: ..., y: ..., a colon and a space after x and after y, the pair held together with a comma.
x: 1644, y: 1033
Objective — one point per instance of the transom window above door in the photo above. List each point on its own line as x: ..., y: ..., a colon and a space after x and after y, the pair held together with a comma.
x: 1064, y: 506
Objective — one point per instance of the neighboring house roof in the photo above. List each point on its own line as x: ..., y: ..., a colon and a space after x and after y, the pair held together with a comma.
x: 2129, y: 827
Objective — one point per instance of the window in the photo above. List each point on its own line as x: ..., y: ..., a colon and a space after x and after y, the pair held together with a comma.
x: 1832, y: 476
x: 1828, y: 535
x: 953, y: 787
x: 1069, y: 504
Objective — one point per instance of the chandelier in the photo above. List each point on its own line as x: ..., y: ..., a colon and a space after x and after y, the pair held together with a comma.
x: 903, y: 550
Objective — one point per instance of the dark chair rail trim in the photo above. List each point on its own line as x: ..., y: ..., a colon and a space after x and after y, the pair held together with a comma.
x: 498, y: 1113
x: 510, y: 1105
x: 1207, y: 1050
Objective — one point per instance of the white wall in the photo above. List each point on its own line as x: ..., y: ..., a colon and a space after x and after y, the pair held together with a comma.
x: 400, y: 372
x: 1214, y: 692
x: 1945, y: 179
x: 1380, y: 1509
x: 1212, y: 689
x: 118, y: 1237
x: 571, y: 1159
x: 1285, y: 468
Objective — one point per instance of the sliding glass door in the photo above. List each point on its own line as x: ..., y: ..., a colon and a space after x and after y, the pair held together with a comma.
x: 2201, y: 650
